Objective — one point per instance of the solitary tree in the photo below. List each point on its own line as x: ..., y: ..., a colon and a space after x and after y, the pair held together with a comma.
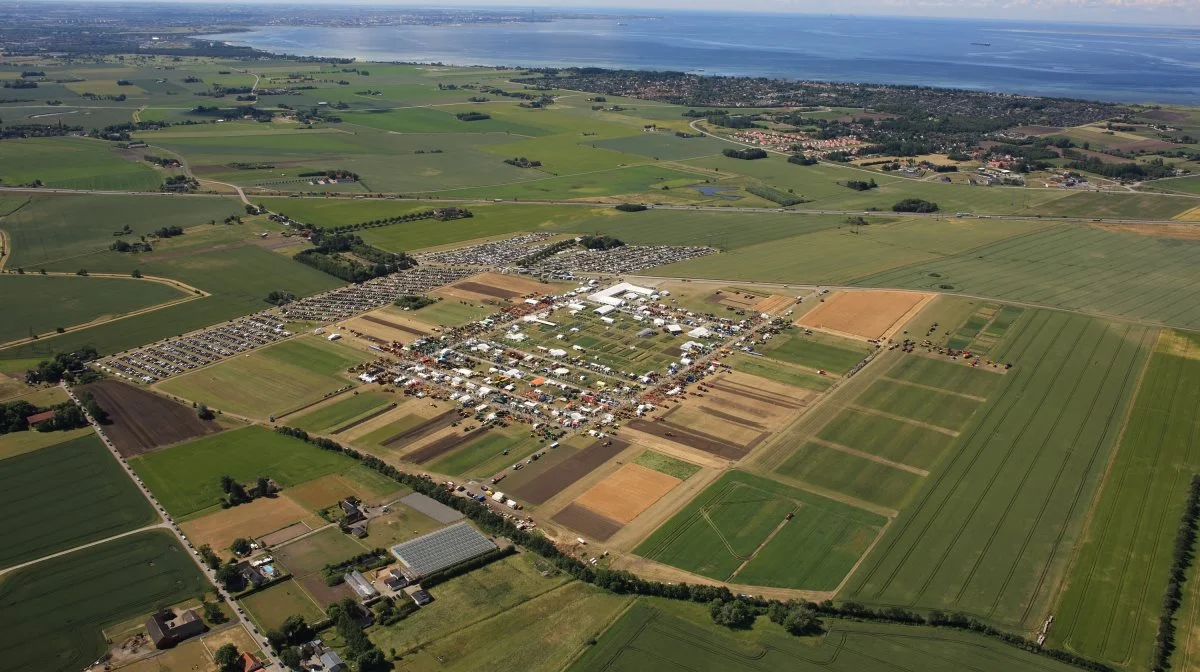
x: 227, y: 658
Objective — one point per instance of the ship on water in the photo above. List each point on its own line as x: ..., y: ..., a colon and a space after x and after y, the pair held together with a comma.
x: 981, y: 44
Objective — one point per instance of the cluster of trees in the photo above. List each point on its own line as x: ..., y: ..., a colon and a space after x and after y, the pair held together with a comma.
x: 335, y: 574
x: 1152, y: 170
x: 13, y: 414
x: 241, y: 546
x: 783, y: 198
x: 294, y: 633
x: 631, y: 207
x: 861, y: 185
x: 327, y: 257
x: 375, y: 223
x: 414, y: 301
x: 236, y: 493
x: 522, y: 162
x: 472, y: 116
x: 338, y: 174
x: 66, y: 416
x: 134, y: 247
x: 735, y: 121
x: 33, y: 73
x: 20, y: 84
x: 802, y: 160
x: 1182, y: 556
x: 159, y: 160
x: 168, y: 231
x: 915, y: 205
x: 801, y: 614
x: 732, y: 613
x: 346, y: 617
x: 63, y: 366
x: 748, y: 154
x: 598, y: 242
x: 228, y: 658
x: 278, y: 297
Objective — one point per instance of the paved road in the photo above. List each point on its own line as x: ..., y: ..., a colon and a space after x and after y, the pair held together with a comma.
x: 271, y: 658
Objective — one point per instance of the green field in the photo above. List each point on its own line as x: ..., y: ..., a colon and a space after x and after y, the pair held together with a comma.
x: 487, y: 455
x: 666, y: 464
x: 816, y: 351
x: 82, y: 495
x: 271, y: 607
x: 187, y: 478
x: 656, y: 634
x: 1071, y: 266
x: 60, y: 227
x: 840, y: 255
x: 111, y: 582
x: 451, y: 312
x: 239, y: 279
x: 721, y: 533
x: 76, y: 300
x: 19, y: 443
x: 75, y: 163
x: 347, y: 409
x: 270, y: 381
x: 1109, y: 610
x: 851, y: 474
x: 485, y: 592
x: 780, y: 373
x: 993, y: 531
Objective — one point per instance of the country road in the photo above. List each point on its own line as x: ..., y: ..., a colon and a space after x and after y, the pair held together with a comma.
x: 169, y: 524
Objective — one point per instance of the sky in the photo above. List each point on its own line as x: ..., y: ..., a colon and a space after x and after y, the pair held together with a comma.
x: 1158, y: 12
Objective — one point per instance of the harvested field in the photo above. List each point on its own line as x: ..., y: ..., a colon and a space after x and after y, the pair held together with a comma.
x: 587, y: 522
x: 363, y: 420
x: 324, y: 594
x: 359, y: 481
x: 868, y: 314
x: 250, y: 520
x: 394, y: 325
x: 693, y: 439
x: 773, y: 304
x: 1147, y: 145
x: 627, y: 492
x: 487, y: 290
x: 1164, y: 115
x: 557, y: 478
x: 491, y: 286
x: 272, y: 606
x: 443, y: 445
x: 142, y: 420
x: 286, y: 534
x: 735, y: 298
x: 422, y: 430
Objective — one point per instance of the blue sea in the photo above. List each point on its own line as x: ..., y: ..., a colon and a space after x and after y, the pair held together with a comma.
x: 1104, y: 62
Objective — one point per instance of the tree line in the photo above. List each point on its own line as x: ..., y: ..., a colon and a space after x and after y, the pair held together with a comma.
x: 1182, y: 556
x: 799, y: 614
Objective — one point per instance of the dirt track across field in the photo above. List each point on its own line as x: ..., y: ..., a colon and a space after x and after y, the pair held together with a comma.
x: 141, y: 421
x: 557, y: 478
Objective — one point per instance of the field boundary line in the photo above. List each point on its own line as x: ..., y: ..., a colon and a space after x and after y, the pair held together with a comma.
x: 1086, y: 522
x: 772, y: 535
x: 839, y: 497
x: 869, y: 456
x: 931, y: 490
x: 59, y: 554
x: 983, y: 492
x: 934, y: 388
x: 1062, y: 467
x: 724, y: 541
x: 863, y: 557
x: 901, y: 418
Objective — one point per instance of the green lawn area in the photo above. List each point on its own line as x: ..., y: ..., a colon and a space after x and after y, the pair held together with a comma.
x: 1116, y: 205
x: 488, y: 220
x: 1109, y: 610
x: 780, y: 373
x: 451, y: 312
x: 187, y: 478
x: 271, y: 607
x: 272, y: 380
x: 333, y: 416
x: 992, y: 534
x: 816, y: 351
x: 487, y: 455
x: 83, y: 495
x: 666, y: 464
x: 113, y: 582
x: 1070, y: 266
x: 727, y: 523
x: 74, y: 163
x: 722, y: 230
x: 657, y: 634
x: 76, y: 300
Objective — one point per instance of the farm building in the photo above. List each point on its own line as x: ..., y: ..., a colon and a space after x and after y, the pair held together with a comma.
x: 39, y: 417
x: 438, y: 550
x: 331, y: 662
x: 360, y: 585
x: 166, y: 629
x: 419, y: 595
